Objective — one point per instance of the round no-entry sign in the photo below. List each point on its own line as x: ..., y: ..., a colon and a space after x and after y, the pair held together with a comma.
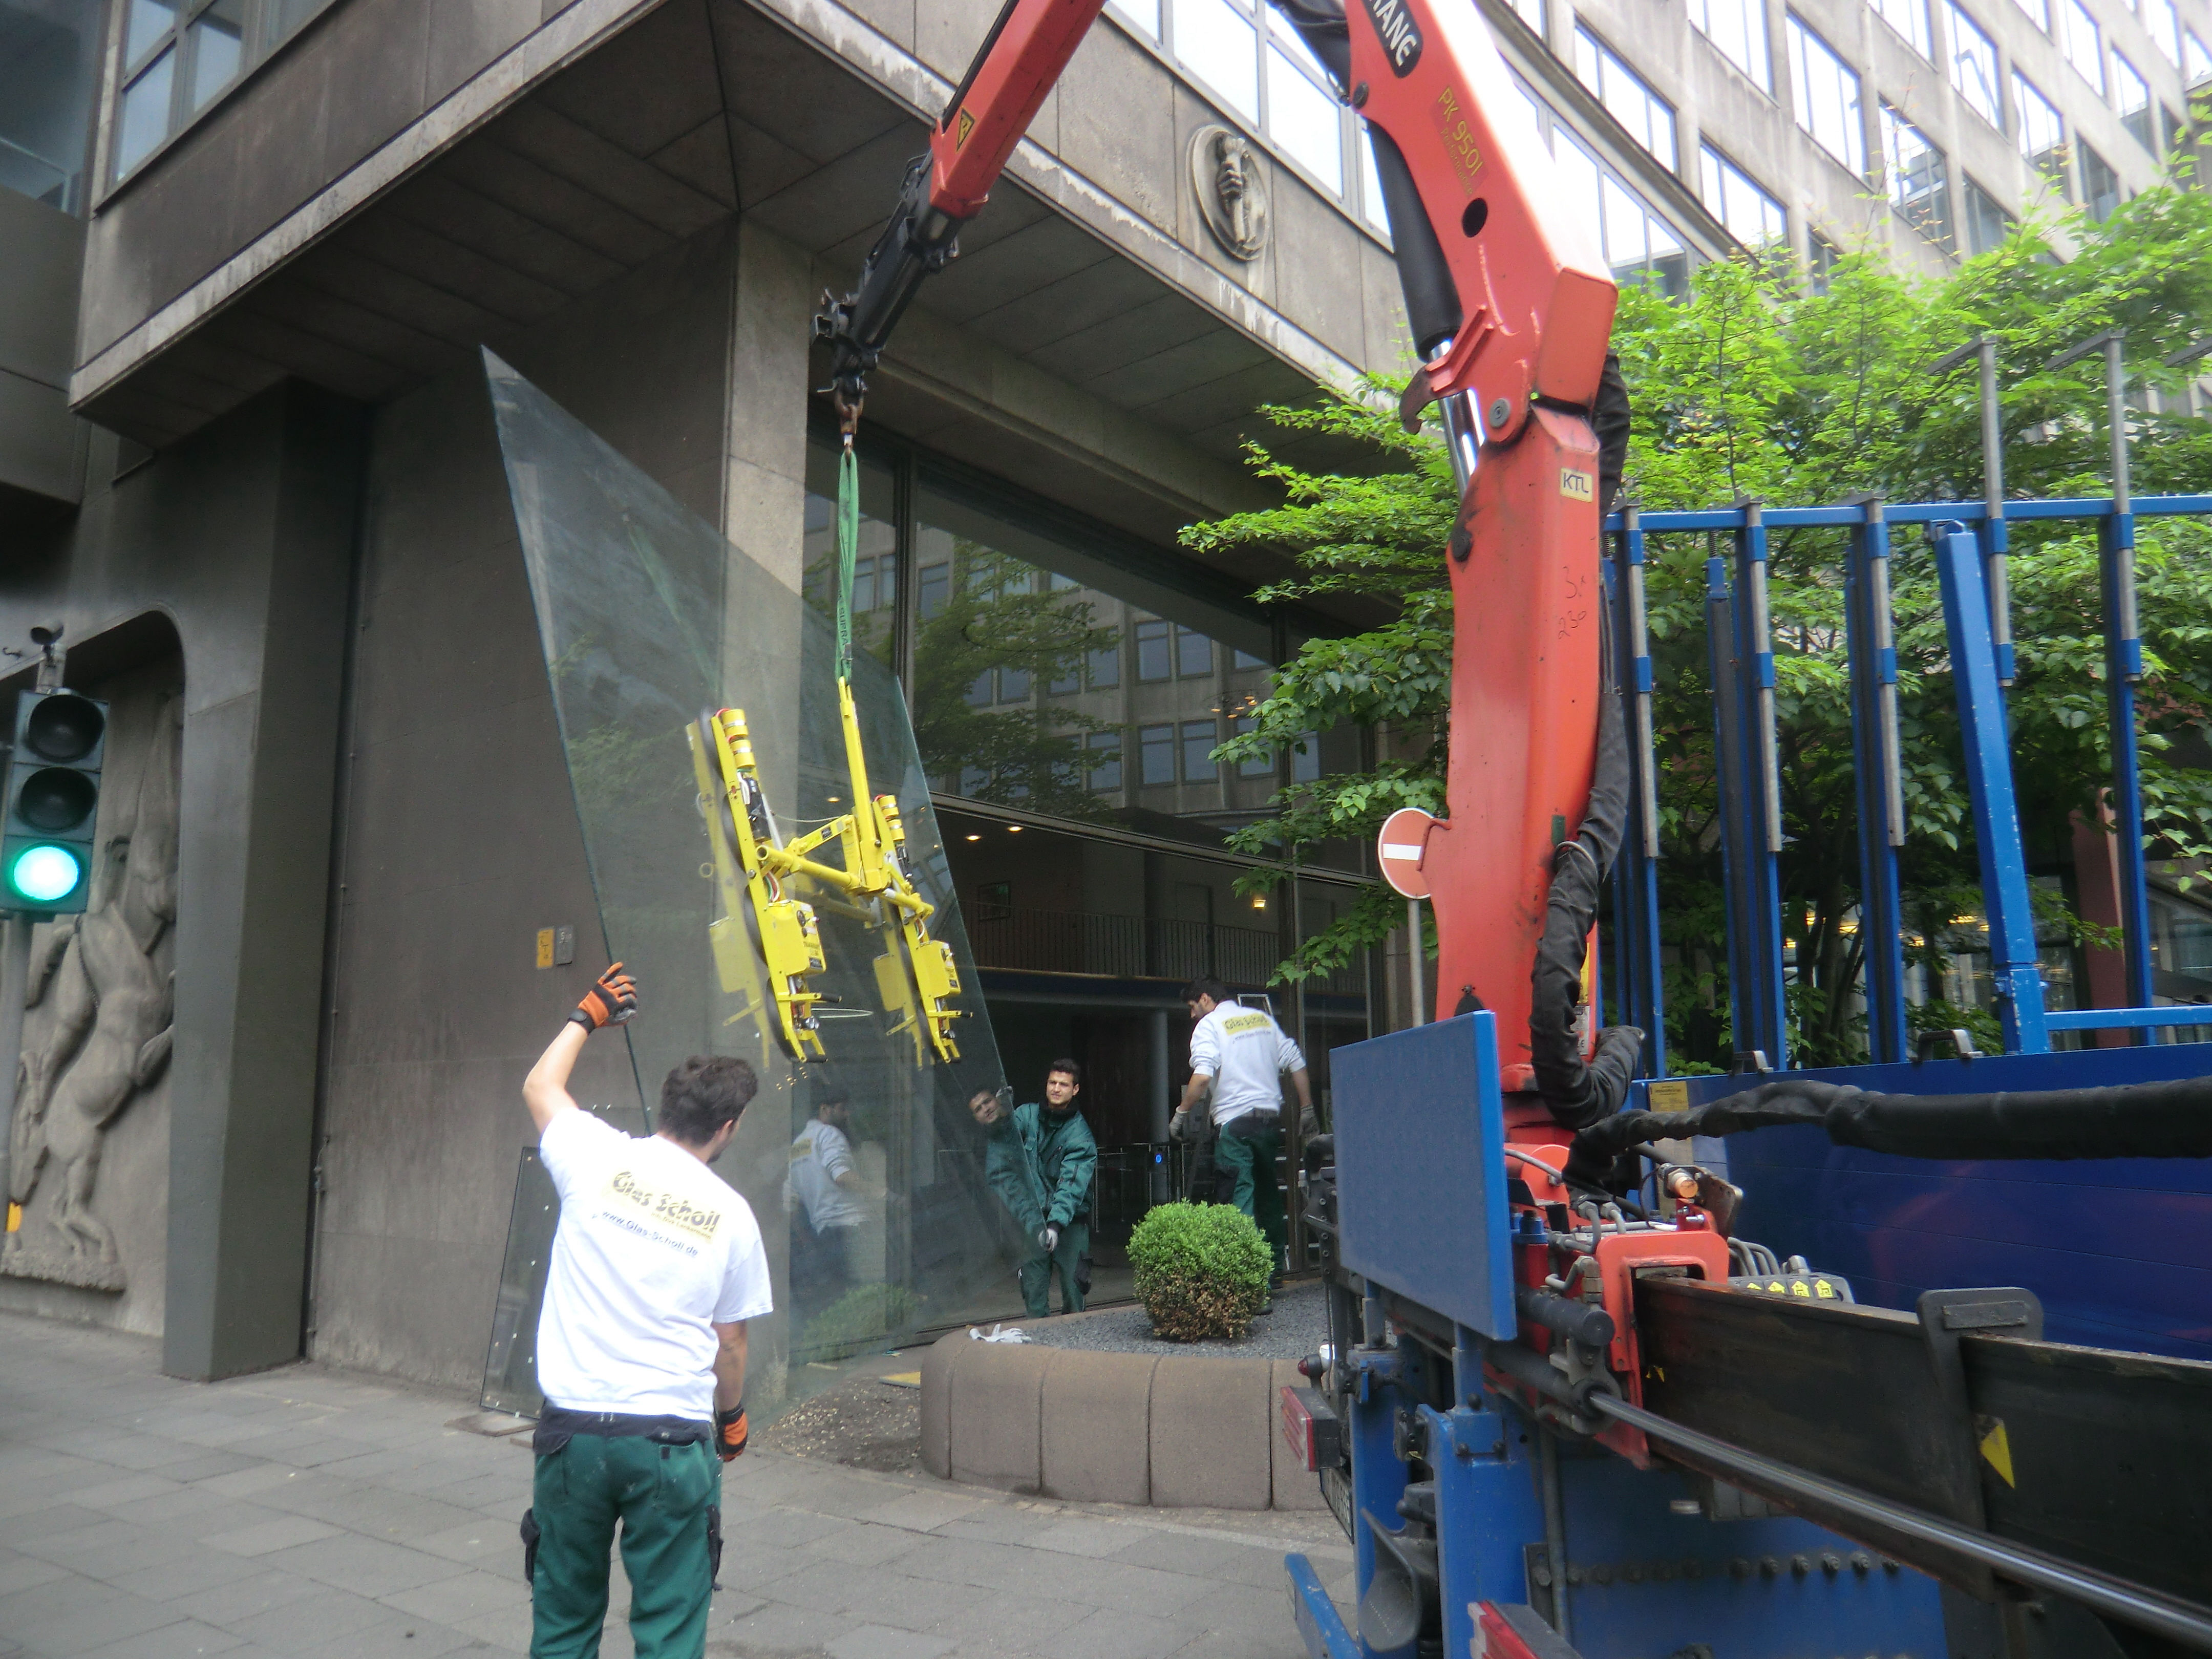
x: 1403, y: 840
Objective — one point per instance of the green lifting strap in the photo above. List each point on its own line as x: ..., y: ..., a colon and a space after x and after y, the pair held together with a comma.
x: 848, y: 549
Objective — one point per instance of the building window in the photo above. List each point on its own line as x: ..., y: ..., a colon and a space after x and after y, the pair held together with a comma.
x: 1753, y: 217
x: 1649, y: 118
x: 2100, y: 186
x: 2196, y: 61
x: 1908, y: 18
x: 1199, y: 737
x: 2131, y: 98
x: 1532, y: 13
x: 1153, y: 660
x: 1826, y: 91
x: 1256, y: 766
x: 1988, y: 224
x: 1639, y: 246
x: 1142, y: 16
x: 49, y: 68
x: 1103, y: 750
x: 178, y: 55
x: 1106, y: 667
x: 1917, y: 179
x: 1260, y: 67
x: 2039, y: 12
x: 1194, y: 654
x: 1303, y: 112
x: 2042, y: 134
x: 1156, y: 754
x: 1305, y: 758
x: 2163, y: 19
x: 2084, y: 50
x: 1737, y: 30
x: 1822, y: 256
x: 1974, y: 68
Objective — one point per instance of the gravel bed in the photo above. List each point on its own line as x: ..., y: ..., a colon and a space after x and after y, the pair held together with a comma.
x: 1295, y: 1329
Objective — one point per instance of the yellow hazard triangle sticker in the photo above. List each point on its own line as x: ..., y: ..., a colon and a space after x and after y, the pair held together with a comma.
x: 1996, y: 1449
x: 962, y: 128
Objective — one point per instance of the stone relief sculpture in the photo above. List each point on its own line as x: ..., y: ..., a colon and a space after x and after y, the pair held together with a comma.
x: 1227, y: 175
x: 108, y: 1035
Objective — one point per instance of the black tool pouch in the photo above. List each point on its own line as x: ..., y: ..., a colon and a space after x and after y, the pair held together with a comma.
x: 530, y: 1537
x: 715, y: 1545
x: 1083, y: 1275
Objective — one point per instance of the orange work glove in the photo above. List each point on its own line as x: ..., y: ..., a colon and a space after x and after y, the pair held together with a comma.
x: 731, y: 1433
x: 610, y: 1002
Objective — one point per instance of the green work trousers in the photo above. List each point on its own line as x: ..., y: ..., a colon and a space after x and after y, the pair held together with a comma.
x: 1244, y: 1176
x: 661, y: 1495
x: 1036, y: 1273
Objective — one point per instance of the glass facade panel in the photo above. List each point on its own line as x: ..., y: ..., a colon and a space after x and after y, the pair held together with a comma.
x: 1142, y: 16
x: 1918, y: 178
x: 144, y: 121
x: 1737, y: 30
x: 2042, y: 134
x: 2196, y: 60
x: 1650, y: 119
x: 2100, y: 186
x: 1303, y: 119
x: 150, y: 21
x: 2131, y: 98
x: 1974, y: 67
x: 1216, y: 41
x: 2084, y: 44
x: 49, y: 68
x: 218, y: 40
x: 1987, y: 222
x: 1825, y: 90
x: 1908, y: 18
x: 2163, y: 19
x: 1199, y: 738
x: 1753, y: 217
x: 192, y: 50
x: 1155, y: 755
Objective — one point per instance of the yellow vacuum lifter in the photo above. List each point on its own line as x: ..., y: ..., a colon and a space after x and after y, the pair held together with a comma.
x: 917, y: 982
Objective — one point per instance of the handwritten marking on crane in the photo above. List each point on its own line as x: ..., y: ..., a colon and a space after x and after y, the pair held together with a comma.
x: 1400, y: 35
x: 1448, y: 111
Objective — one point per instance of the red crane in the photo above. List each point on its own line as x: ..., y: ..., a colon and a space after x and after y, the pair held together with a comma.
x: 1511, y: 308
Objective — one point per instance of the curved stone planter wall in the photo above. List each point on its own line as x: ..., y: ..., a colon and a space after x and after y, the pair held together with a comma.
x: 1175, y: 1431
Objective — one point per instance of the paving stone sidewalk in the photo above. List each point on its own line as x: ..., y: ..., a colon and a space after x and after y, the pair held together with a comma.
x: 313, y: 1512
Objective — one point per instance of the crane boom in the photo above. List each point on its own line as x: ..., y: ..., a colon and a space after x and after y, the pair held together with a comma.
x: 1511, y: 308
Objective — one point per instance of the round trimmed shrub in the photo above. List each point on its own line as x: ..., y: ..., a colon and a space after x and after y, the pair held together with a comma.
x: 1201, y: 1270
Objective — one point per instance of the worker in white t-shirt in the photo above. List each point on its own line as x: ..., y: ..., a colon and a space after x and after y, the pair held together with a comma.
x: 823, y: 1186
x: 657, y: 1265
x: 1238, y: 1055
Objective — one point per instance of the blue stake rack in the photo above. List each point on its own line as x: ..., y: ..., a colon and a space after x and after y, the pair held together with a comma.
x: 1969, y: 544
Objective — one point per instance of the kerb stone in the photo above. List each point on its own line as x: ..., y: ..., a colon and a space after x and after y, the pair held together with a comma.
x: 1096, y: 1435
x: 937, y: 1402
x: 996, y: 1401
x: 1211, y: 1431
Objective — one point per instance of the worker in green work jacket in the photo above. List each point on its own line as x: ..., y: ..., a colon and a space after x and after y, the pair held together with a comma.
x: 1039, y: 1160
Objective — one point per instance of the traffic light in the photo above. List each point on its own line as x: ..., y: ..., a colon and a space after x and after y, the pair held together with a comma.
x: 53, y: 802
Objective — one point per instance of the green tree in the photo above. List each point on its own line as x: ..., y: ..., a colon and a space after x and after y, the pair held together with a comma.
x: 1756, y: 384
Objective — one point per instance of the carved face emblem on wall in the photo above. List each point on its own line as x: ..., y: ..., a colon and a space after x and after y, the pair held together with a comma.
x: 1227, y: 177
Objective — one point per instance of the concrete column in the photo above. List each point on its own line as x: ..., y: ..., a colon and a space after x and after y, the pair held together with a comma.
x: 260, y: 750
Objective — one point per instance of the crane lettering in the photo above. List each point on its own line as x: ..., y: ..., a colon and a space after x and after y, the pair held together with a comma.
x: 1401, y: 36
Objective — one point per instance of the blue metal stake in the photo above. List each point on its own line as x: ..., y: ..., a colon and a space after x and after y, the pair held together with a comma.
x: 1635, y: 901
x: 1762, y: 796
x: 1880, y: 781
x: 1728, y: 756
x: 2014, y: 966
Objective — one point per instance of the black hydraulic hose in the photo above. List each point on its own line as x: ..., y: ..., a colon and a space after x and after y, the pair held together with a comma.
x: 2139, y: 1120
x: 1578, y: 1321
x: 1574, y: 1092
x: 1539, y: 1376
x: 2135, y: 1605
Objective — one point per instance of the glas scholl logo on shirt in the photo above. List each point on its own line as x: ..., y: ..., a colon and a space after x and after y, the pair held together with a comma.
x: 670, y: 1207
x: 1242, y: 1025
x: 1400, y: 35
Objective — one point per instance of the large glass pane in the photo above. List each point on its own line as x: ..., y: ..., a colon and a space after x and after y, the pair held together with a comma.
x: 1072, y: 644
x: 1737, y: 30
x: 1919, y: 177
x: 1215, y: 40
x: 2163, y: 19
x: 149, y: 20
x: 1753, y: 217
x: 2131, y: 98
x: 145, y: 120
x: 49, y: 57
x: 1908, y: 17
x: 1649, y: 118
x: 1974, y: 68
x: 1987, y: 222
x: 2084, y: 45
x: 647, y: 617
x: 1826, y: 91
x: 218, y: 48
x: 2100, y: 186
x: 1142, y: 16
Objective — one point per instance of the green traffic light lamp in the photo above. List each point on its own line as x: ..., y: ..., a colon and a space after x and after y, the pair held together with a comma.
x: 44, y: 874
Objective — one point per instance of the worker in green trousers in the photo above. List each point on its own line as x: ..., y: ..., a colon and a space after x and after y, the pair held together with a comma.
x: 657, y: 1266
x: 1040, y: 1159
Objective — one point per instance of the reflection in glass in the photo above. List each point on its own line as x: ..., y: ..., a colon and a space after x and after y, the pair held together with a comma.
x: 145, y: 120
x: 218, y: 42
x: 647, y: 617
